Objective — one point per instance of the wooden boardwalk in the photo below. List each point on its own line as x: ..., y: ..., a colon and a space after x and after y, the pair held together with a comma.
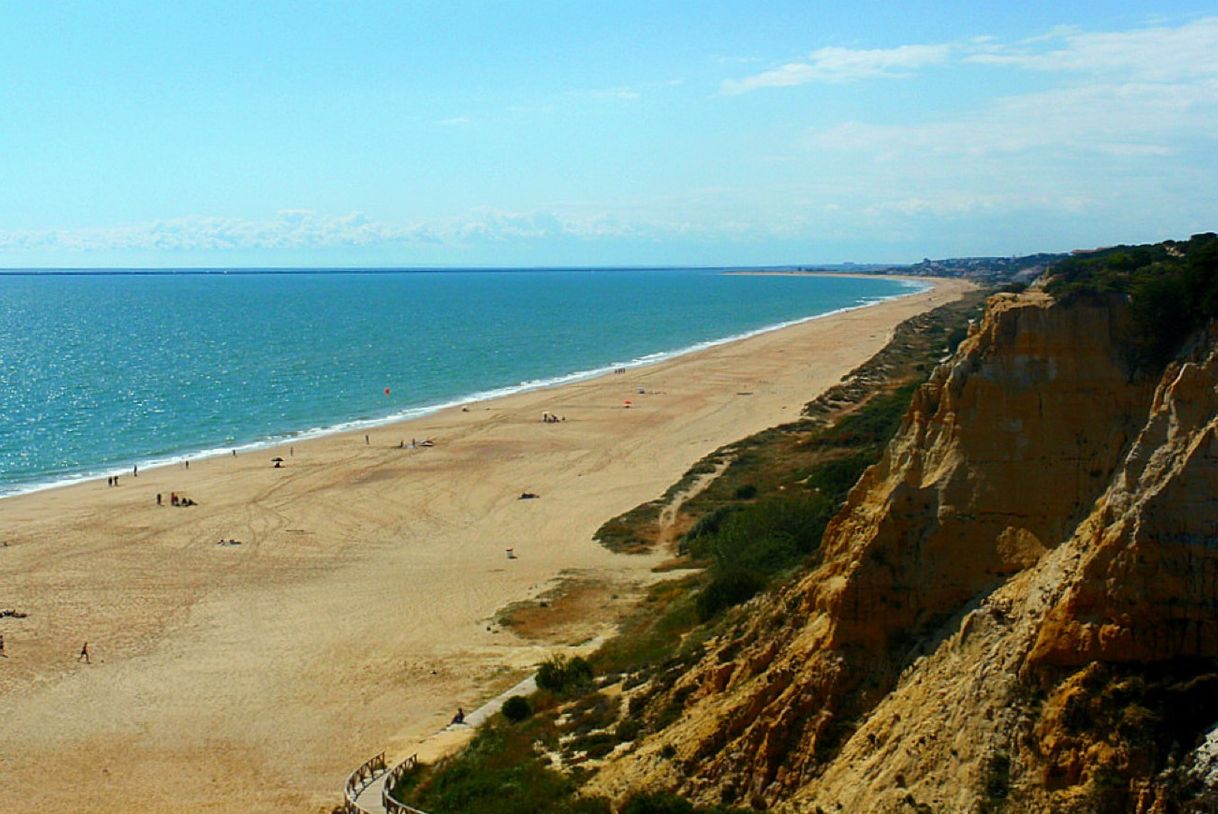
x: 364, y: 793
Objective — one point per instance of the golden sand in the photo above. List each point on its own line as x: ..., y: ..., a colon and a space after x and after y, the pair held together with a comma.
x: 359, y: 609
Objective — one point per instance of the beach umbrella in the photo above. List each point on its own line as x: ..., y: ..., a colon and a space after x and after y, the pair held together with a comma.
x: 276, y: 459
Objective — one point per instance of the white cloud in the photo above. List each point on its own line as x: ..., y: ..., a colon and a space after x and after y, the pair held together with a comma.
x: 1159, y: 54
x: 1154, y: 54
x: 1123, y: 119
x: 1122, y: 130
x: 618, y: 94
x: 305, y: 229
x: 844, y: 65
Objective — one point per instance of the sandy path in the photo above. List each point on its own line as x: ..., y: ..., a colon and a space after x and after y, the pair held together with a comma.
x: 354, y: 617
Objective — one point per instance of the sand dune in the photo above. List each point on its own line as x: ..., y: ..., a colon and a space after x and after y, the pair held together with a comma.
x: 358, y: 611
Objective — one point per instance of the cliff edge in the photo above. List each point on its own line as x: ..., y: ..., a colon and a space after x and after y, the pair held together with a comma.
x: 1016, y: 609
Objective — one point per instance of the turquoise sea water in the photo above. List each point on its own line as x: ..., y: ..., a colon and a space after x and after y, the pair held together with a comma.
x: 102, y: 371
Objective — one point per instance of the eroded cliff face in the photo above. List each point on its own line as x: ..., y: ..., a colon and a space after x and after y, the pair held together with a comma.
x: 1033, y: 557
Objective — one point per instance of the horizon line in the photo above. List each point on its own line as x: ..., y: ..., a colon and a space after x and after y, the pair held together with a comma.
x: 79, y: 270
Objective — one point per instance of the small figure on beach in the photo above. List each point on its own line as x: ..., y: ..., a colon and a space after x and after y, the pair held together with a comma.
x: 116, y: 480
x: 413, y: 445
x: 366, y: 441
x: 84, y: 654
x: 187, y: 464
x: 291, y: 451
x: 2, y: 653
x: 234, y: 453
x: 173, y: 498
x: 135, y: 470
x: 109, y: 481
x: 158, y: 498
x: 511, y: 553
x: 459, y: 718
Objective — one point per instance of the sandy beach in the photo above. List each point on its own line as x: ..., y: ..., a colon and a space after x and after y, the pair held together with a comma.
x: 360, y: 607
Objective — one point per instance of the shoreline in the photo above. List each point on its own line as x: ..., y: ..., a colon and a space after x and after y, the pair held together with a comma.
x: 363, y: 604
x: 915, y: 285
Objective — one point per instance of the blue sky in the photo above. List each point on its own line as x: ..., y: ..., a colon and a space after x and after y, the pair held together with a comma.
x: 555, y: 133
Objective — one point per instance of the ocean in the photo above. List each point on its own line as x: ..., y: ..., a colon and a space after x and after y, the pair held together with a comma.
x: 100, y: 371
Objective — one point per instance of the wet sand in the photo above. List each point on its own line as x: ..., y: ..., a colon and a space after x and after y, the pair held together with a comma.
x: 360, y: 608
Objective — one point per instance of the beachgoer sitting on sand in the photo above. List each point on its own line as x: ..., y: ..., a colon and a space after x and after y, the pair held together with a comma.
x: 528, y: 496
x: 459, y: 718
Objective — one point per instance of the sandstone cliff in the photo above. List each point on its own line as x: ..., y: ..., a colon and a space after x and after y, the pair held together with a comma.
x: 1011, y: 610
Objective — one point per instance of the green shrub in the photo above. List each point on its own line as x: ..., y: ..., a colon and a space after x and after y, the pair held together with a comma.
x: 728, y: 589
x: 875, y: 423
x: 746, y: 492
x: 499, y: 772
x: 709, y: 524
x: 768, y: 536
x: 558, y: 675
x: 657, y: 803
x: 517, y: 708
x: 628, y: 729
x: 662, y: 802
x: 551, y: 675
x: 834, y: 478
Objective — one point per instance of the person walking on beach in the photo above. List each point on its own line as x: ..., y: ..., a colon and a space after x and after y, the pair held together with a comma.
x: 366, y: 441
x: 135, y: 470
x: 2, y: 653
x: 188, y: 464
x: 84, y: 653
x: 158, y: 498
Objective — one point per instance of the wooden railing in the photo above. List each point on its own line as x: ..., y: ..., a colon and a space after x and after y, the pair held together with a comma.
x: 391, y: 804
x: 358, y: 780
